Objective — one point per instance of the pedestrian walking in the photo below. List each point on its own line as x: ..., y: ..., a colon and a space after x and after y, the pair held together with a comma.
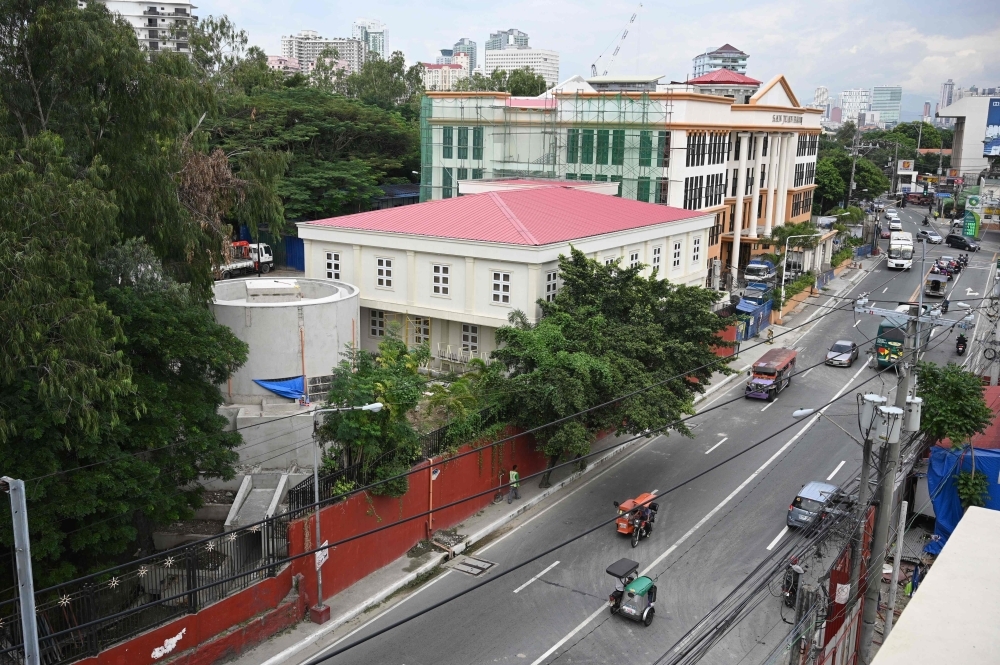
x: 514, y: 478
x: 770, y: 336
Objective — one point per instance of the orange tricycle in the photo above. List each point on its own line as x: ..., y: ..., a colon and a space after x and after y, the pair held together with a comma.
x: 636, y: 517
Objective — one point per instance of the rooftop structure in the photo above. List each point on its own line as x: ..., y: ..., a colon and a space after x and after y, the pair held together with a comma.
x: 724, y: 57
x: 726, y: 83
x: 624, y: 83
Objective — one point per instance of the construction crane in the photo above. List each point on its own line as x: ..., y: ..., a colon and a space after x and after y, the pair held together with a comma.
x: 620, y: 38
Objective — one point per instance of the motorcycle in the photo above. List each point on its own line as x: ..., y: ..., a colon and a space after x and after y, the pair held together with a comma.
x: 960, y: 345
x: 641, y: 529
x: 963, y: 260
x: 926, y: 222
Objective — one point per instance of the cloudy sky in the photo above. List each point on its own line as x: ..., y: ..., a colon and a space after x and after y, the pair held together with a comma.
x: 837, y: 43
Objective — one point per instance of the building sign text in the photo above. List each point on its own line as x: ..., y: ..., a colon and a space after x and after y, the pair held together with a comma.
x: 784, y: 119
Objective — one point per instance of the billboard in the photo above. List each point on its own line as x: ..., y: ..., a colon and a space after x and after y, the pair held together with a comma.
x: 991, y: 144
x: 905, y: 165
x: 973, y: 216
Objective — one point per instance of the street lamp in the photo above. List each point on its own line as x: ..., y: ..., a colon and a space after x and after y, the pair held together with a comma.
x: 321, y: 613
x: 784, y: 270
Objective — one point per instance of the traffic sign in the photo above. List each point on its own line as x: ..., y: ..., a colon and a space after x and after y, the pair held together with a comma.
x: 323, y: 554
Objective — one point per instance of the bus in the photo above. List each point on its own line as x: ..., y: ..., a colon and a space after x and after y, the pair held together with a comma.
x: 900, y: 250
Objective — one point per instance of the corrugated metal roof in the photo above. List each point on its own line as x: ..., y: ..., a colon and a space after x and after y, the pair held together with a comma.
x: 724, y: 76
x: 535, y: 216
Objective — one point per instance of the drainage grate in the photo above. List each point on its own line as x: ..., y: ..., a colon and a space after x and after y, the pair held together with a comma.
x: 470, y: 565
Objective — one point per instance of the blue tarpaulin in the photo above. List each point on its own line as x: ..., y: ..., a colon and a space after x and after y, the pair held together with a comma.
x: 292, y: 387
x: 944, y: 465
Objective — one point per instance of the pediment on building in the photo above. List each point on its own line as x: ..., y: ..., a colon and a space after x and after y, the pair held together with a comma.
x: 775, y: 92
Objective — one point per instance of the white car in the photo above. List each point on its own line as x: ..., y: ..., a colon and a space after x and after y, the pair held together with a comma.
x: 895, y: 224
x: 890, y: 213
x: 931, y: 236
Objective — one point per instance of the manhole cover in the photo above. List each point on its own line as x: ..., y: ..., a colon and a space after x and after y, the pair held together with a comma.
x: 470, y: 565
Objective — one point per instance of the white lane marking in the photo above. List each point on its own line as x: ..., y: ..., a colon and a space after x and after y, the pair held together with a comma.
x: 770, y: 405
x: 777, y: 538
x: 839, y: 466
x: 806, y: 373
x: 654, y: 491
x: 282, y: 657
x: 885, y: 289
x: 534, y: 517
x: 680, y: 541
x: 536, y: 577
x: 717, y: 445
x: 857, y: 322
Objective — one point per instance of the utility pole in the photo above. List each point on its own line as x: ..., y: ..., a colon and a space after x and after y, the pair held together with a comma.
x: 888, y: 463
x: 895, y: 169
x: 854, y: 163
x: 22, y: 555
x: 890, y: 613
x: 869, y: 414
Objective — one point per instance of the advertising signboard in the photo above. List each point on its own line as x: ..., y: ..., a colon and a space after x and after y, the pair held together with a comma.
x: 991, y: 143
x: 905, y: 165
x: 973, y: 216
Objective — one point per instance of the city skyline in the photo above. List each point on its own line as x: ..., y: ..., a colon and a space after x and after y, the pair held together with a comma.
x: 831, y: 44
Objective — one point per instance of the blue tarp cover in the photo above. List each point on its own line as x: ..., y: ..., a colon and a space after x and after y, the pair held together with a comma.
x: 747, y: 306
x: 292, y: 387
x: 944, y: 465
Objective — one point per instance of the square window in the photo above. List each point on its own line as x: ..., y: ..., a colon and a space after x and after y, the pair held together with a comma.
x: 657, y: 253
x: 470, y: 337
x: 383, y: 273
x: 633, y: 260
x: 441, y: 278
x: 421, y: 331
x: 696, y: 250
x: 551, y: 285
x: 333, y: 265
x: 677, y: 255
x: 501, y: 287
x: 610, y: 260
x: 376, y: 320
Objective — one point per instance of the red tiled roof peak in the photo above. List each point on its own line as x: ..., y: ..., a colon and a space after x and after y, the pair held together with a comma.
x: 724, y: 76
x: 532, y: 217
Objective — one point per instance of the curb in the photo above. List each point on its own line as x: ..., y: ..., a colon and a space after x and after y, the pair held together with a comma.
x: 438, y: 559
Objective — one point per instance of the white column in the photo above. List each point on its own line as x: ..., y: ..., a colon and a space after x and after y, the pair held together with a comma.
x: 758, y: 159
x: 411, y: 277
x: 787, y: 168
x: 470, y: 285
x: 741, y: 183
x: 534, y: 276
x: 774, y: 147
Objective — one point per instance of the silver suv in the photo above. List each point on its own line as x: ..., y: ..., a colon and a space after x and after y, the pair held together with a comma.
x: 811, y: 503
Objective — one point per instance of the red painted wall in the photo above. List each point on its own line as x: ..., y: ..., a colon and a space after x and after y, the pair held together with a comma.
x: 243, y: 620
x: 727, y: 335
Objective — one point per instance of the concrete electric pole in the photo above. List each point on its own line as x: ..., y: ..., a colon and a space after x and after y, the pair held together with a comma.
x: 22, y: 555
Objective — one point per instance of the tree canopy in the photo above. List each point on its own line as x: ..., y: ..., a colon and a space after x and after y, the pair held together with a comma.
x: 954, y: 405
x: 608, y: 332
x: 522, y: 82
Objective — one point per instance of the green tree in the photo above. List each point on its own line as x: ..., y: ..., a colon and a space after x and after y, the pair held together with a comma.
x: 384, y: 443
x: 830, y: 186
x: 325, y: 74
x: 386, y: 83
x: 339, y: 150
x: 609, y: 331
x: 522, y: 82
x: 222, y: 58
x: 954, y: 406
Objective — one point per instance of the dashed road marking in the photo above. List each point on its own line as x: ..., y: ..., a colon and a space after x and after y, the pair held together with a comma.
x: 717, y: 445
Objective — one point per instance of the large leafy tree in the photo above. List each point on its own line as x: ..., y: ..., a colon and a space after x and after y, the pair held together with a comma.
x: 954, y: 405
x: 609, y: 331
x: 830, y: 186
x: 339, y: 149
x: 386, y: 83
x: 522, y: 82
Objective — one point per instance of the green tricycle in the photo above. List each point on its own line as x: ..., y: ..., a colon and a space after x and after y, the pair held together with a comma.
x: 634, y: 595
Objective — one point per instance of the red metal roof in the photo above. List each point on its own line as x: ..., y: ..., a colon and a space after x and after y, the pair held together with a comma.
x: 535, y: 216
x: 724, y: 76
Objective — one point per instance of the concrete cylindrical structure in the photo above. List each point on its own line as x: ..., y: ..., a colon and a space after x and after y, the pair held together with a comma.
x: 289, y: 324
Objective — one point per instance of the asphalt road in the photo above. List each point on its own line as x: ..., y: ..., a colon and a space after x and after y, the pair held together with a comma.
x: 709, y: 533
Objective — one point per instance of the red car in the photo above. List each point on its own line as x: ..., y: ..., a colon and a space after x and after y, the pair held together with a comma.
x: 886, y: 233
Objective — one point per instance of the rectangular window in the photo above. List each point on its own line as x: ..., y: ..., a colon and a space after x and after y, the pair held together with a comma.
x: 600, y: 177
x: 736, y: 173
x: 333, y: 265
x: 800, y: 149
x: 463, y: 142
x: 642, y: 190
x: 551, y: 285
x: 696, y: 251
x: 383, y: 272
x: 501, y: 287
x: 441, y: 279
x: 763, y: 152
x: 470, y: 337
x: 586, y: 176
x: 618, y: 147
x: 677, y: 255
x: 810, y: 173
x: 736, y: 152
x: 463, y: 174
x: 800, y: 174
x: 603, y: 145
x: 610, y: 260
x: 633, y: 259
x: 662, y: 190
x: 446, y: 183
x: 663, y: 149
x: 716, y: 231
x: 763, y: 175
x: 587, y: 146
x: 571, y: 176
x: 657, y: 255
x: 477, y: 174
x: 749, y: 187
x: 376, y: 320
x: 447, y: 141
x: 572, y: 146
x: 477, y: 143
x: 645, y: 148
x: 421, y: 331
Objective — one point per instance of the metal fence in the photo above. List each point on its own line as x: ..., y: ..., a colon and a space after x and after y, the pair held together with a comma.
x: 862, y: 251
x: 84, y: 616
